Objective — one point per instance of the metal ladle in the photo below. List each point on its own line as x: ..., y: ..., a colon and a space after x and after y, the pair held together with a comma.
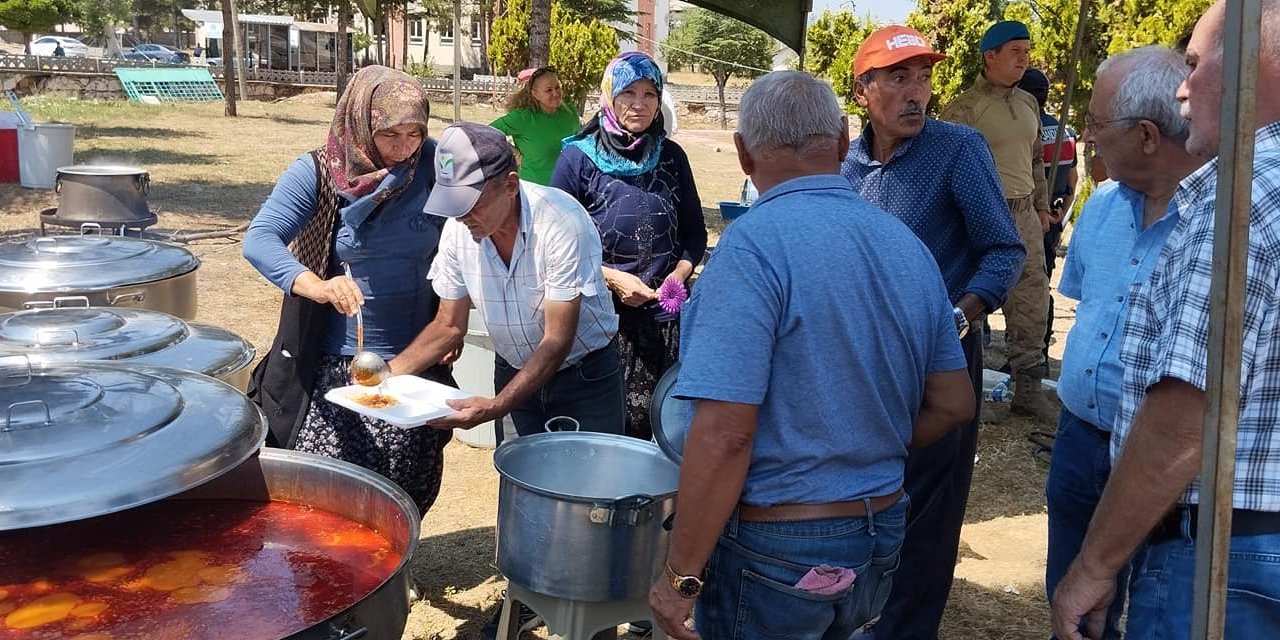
x: 367, y: 367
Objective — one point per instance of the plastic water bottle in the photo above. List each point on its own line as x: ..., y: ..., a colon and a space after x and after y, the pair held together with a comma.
x: 1001, y: 392
x: 749, y: 193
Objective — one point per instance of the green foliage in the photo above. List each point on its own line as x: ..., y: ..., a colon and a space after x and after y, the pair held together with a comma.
x: 832, y: 42
x: 32, y: 16
x: 722, y: 46
x: 580, y: 49
x: 579, y: 52
x: 361, y: 40
x: 99, y: 18
x: 509, y: 39
x: 603, y: 10
x: 956, y: 28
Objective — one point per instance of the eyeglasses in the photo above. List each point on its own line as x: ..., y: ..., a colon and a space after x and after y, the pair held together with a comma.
x: 1091, y: 123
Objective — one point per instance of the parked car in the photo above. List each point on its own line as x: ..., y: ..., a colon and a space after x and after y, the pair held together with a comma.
x: 158, y: 53
x: 71, y: 48
x: 250, y: 61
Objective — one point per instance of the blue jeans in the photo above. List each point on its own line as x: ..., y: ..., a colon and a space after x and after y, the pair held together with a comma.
x: 937, y: 478
x: 1078, y: 471
x: 590, y: 391
x: 749, y: 590
x: 1164, y: 578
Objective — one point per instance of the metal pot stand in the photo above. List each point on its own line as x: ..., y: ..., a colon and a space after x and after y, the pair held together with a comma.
x: 573, y: 619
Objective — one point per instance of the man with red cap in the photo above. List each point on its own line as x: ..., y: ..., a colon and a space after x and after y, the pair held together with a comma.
x: 1009, y: 119
x: 939, y: 179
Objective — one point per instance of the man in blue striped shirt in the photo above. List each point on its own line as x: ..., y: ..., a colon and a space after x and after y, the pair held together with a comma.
x: 1133, y: 121
x: 938, y: 178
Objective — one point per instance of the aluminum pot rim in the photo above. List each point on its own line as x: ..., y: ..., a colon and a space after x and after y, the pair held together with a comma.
x: 515, y: 447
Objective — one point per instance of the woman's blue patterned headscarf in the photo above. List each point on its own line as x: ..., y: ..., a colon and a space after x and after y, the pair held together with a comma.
x: 612, y: 148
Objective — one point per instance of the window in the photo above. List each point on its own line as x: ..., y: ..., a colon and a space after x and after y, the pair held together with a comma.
x: 475, y: 29
x: 416, y: 29
x: 446, y: 31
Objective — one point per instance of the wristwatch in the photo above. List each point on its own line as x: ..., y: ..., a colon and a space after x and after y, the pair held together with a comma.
x: 687, y: 586
x: 962, y: 322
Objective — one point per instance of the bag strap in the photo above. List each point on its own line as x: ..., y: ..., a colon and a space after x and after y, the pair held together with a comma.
x: 314, y: 245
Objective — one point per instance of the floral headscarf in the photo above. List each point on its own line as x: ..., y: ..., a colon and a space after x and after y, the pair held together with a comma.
x: 612, y: 148
x: 376, y: 98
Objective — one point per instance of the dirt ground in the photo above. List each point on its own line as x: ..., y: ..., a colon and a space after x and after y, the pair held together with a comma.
x: 211, y: 173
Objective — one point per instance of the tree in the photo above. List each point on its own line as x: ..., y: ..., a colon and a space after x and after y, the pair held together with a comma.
x: 230, y: 56
x: 603, y: 10
x: 509, y: 39
x: 832, y: 41
x: 579, y: 52
x: 580, y: 49
x: 539, y: 32
x: 99, y: 19
x: 722, y: 46
x: 32, y: 16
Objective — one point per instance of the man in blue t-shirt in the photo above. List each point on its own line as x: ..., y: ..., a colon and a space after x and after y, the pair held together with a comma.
x: 819, y: 346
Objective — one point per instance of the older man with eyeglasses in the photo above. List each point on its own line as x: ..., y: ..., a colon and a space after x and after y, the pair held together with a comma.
x: 1134, y: 123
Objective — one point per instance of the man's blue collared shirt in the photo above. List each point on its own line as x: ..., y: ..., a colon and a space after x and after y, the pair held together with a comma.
x: 1108, y: 254
x: 943, y: 185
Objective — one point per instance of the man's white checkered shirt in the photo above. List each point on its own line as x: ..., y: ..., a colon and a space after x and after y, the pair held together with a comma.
x: 1167, y: 331
x: 556, y: 257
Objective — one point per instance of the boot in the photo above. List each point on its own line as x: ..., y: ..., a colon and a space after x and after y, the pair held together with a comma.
x: 1031, y: 400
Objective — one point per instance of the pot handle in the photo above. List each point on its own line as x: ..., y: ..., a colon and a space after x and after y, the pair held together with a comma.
x: 130, y: 296
x: 559, y: 423
x: 25, y: 359
x: 48, y: 337
x: 348, y: 635
x: 8, y: 414
x: 143, y: 182
x: 631, y: 510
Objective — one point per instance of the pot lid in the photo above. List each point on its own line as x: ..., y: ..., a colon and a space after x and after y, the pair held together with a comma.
x: 121, y: 333
x: 90, y: 438
x: 54, y: 264
x: 101, y: 170
x: 670, y: 416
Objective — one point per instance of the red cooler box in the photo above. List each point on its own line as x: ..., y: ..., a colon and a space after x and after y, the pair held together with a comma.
x: 9, y: 124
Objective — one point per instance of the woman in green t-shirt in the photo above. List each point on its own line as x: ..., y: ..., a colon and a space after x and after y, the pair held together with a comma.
x: 538, y: 120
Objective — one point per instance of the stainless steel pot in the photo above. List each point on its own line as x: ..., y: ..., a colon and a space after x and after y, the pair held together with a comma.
x: 106, y: 271
x: 346, y: 490
x: 111, y: 196
x: 85, y: 439
x: 584, y: 516
x: 138, y: 336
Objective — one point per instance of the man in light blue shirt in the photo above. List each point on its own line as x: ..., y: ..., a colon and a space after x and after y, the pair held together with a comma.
x: 819, y: 345
x: 1133, y: 119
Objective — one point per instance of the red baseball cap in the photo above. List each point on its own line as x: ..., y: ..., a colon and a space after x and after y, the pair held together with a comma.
x: 889, y: 46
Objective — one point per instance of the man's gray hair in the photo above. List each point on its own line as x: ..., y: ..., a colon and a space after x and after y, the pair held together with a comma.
x: 788, y: 109
x: 1149, y: 88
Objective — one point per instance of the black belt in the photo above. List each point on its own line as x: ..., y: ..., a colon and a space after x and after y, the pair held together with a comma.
x: 1243, y: 523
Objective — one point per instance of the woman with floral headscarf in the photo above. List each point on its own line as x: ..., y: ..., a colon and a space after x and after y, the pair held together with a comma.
x: 638, y: 187
x: 356, y: 200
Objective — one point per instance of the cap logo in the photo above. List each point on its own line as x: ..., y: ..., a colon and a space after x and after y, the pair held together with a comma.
x: 444, y: 168
x: 904, y: 40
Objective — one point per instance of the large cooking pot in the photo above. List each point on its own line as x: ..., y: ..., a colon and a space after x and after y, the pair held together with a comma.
x: 95, y: 442
x: 584, y: 516
x: 108, y: 271
x: 139, y: 336
x: 349, y: 491
x: 111, y: 196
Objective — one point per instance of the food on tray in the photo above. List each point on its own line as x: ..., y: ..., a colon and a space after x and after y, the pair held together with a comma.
x: 375, y: 400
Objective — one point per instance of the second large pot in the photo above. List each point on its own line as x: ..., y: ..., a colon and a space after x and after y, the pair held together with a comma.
x: 101, y: 271
x: 584, y: 516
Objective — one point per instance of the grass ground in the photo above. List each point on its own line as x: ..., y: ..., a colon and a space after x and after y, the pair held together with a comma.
x: 209, y: 172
